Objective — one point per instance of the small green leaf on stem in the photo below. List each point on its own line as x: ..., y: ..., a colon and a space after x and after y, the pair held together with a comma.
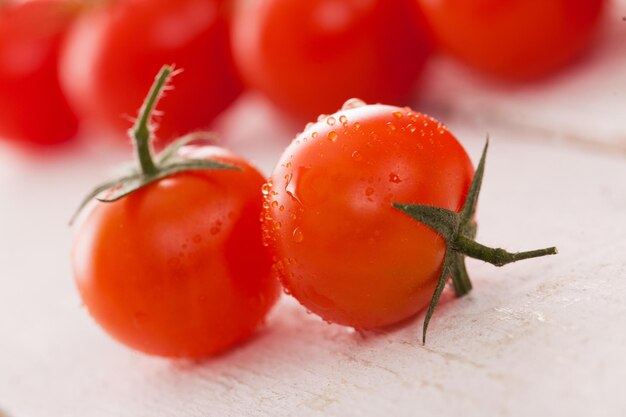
x: 441, y: 283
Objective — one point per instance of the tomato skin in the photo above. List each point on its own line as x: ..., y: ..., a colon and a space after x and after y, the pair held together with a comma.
x: 33, y: 109
x: 309, y: 56
x: 177, y: 268
x: 113, y: 53
x: 515, y: 39
x: 342, y: 250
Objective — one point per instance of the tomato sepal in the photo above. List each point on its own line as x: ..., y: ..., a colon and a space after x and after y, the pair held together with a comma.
x: 170, y: 152
x: 153, y: 167
x: 459, y: 231
x: 134, y: 183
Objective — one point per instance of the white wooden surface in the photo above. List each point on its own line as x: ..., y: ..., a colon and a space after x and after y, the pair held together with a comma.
x: 543, y: 337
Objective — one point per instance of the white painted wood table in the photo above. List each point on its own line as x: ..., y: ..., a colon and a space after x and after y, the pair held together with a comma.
x: 543, y: 337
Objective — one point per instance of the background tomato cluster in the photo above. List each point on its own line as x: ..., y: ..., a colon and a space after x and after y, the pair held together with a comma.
x: 68, y: 64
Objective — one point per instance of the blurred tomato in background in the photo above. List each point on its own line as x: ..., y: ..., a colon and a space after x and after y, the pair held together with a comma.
x: 308, y: 57
x: 114, y: 51
x: 33, y: 109
x: 514, y: 39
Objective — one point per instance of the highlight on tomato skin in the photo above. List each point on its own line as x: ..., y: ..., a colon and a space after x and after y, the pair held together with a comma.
x: 307, y: 57
x: 34, y: 111
x: 113, y: 52
x: 516, y: 39
x: 340, y: 247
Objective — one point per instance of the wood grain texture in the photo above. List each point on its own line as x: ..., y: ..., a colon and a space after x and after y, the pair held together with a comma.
x: 543, y: 337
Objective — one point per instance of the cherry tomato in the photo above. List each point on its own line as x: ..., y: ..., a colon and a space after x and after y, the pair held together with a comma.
x: 515, y: 39
x: 112, y: 54
x: 342, y: 250
x: 309, y: 56
x: 177, y: 268
x: 33, y: 109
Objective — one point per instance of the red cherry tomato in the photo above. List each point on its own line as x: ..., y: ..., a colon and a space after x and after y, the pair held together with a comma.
x: 514, y: 39
x: 33, y: 109
x: 112, y: 54
x: 342, y: 250
x: 177, y: 268
x: 309, y: 56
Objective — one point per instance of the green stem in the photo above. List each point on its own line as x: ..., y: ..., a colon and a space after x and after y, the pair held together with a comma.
x: 460, y: 279
x: 141, y: 130
x: 496, y: 256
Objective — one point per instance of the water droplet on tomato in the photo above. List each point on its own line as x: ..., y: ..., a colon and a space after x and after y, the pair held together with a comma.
x: 275, y: 204
x: 397, y: 114
x: 343, y: 120
x: 290, y: 187
x: 356, y: 155
x: 394, y: 178
x: 298, y: 236
x: 391, y: 126
x: 331, y: 121
x: 314, y: 135
x: 357, y: 125
x: 332, y: 135
x: 321, y: 117
x: 266, y: 188
x: 353, y: 103
x: 411, y: 128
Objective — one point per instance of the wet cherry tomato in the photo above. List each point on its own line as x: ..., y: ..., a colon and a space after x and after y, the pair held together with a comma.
x: 113, y: 53
x: 177, y: 268
x: 515, y: 39
x: 33, y: 109
x: 309, y: 56
x: 341, y: 248
x: 174, y: 265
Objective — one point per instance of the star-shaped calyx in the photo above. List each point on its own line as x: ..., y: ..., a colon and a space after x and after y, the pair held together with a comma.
x: 152, y: 167
x: 459, y: 231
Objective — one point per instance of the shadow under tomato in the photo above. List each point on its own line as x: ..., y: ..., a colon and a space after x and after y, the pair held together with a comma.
x: 292, y: 335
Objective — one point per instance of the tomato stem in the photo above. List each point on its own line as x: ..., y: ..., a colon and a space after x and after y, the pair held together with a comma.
x: 142, y: 131
x: 496, y: 256
x: 460, y: 278
x: 459, y: 230
x: 168, y: 162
